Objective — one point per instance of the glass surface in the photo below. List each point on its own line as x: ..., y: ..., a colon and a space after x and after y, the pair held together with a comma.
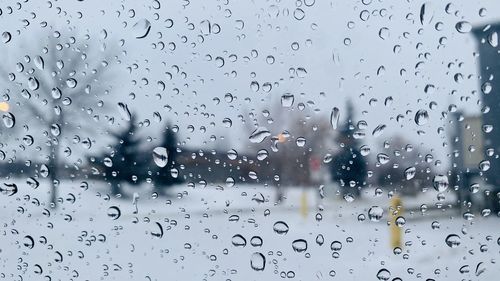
x: 249, y: 140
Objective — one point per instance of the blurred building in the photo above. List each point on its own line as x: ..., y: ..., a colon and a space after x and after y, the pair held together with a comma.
x: 489, y: 71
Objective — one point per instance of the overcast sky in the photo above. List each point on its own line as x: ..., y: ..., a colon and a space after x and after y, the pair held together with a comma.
x: 365, y: 50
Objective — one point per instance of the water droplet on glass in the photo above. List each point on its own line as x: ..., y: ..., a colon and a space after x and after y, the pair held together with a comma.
x: 379, y: 130
x: 258, y: 261
x: 9, y: 189
x: 383, y: 158
x: 287, y: 100
x: 375, y: 213
x: 334, y: 118
x: 141, y: 28
x: 6, y: 37
x: 259, y: 135
x: 320, y: 239
x: 232, y: 154
x: 124, y: 111
x: 493, y: 39
x: 463, y: 26
x: 299, y: 245
x: 114, y: 212
x: 400, y: 221
x: 484, y: 165
x: 238, y: 240
x: 280, y: 227
x: 421, y: 117
x: 336, y: 246
x: 383, y: 274
x: 426, y: 13
x: 440, y: 182
x: 410, y: 173
x: 256, y: 241
x: 262, y: 154
x: 301, y: 142
x: 299, y: 14
x: 486, y: 88
x: 9, y: 120
x: 71, y: 83
x: 39, y: 63
x: 33, y: 83
x: 453, y: 241
x: 28, y: 242
x: 160, y: 156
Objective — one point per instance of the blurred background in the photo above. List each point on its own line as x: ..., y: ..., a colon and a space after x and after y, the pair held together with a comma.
x: 218, y: 140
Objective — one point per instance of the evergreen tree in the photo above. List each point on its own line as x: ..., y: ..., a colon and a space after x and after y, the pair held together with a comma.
x: 123, y: 166
x: 349, y: 167
x: 164, y: 178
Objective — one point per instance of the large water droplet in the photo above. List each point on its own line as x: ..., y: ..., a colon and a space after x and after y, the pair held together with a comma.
x: 287, y: 100
x: 484, y: 165
x: 39, y: 63
x: 9, y: 120
x: 141, y: 28
x: 383, y: 158
x: 336, y: 246
x: 6, y: 37
x: 232, y: 154
x: 299, y: 245
x: 383, y: 274
x: 410, y: 173
x: 256, y: 241
x: 258, y: 261
x: 440, y: 182
x: 421, y: 117
x: 160, y: 156
x: 493, y: 39
x: 375, y: 213
x: 320, y: 239
x: 379, y: 130
x: 426, y: 13
x: 280, y: 227
x: 259, y: 135
x: 28, y: 242
x: 238, y: 240
x: 453, y: 240
x: 114, y: 212
x: 124, y: 111
x: 33, y: 84
x: 9, y: 189
x: 334, y: 118
x: 262, y: 154
x: 463, y: 26
x: 71, y: 83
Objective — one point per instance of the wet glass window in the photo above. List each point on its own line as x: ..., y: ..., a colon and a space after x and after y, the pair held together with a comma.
x: 249, y: 140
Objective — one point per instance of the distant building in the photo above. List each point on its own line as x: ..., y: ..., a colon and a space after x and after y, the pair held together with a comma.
x: 489, y: 71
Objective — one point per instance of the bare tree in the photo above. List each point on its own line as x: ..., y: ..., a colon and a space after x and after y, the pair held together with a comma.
x: 56, y: 82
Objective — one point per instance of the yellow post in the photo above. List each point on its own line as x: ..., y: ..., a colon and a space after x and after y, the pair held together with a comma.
x: 303, y: 204
x: 395, y: 211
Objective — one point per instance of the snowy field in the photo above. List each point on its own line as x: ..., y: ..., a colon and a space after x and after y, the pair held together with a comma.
x: 217, y: 232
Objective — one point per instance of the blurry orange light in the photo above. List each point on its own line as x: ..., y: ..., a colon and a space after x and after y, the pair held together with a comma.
x: 4, y: 106
x: 281, y: 138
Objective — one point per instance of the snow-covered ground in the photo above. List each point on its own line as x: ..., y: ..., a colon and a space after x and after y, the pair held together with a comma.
x: 214, y: 232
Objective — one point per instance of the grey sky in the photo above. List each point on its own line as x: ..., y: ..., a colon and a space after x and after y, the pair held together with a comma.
x: 334, y: 66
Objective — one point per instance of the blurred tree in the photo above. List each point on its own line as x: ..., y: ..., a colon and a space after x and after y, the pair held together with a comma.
x: 56, y: 85
x: 348, y: 166
x: 124, y: 162
x: 164, y: 175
